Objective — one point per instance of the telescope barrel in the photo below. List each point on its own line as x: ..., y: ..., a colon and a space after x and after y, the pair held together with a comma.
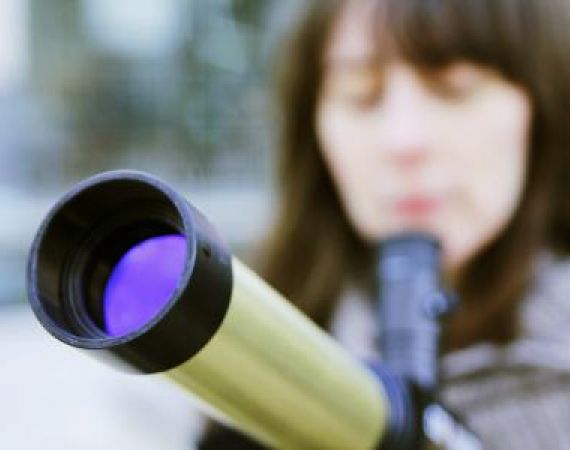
x: 196, y: 315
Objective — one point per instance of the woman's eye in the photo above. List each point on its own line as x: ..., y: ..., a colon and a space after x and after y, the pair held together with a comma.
x: 360, y: 90
x: 457, y: 82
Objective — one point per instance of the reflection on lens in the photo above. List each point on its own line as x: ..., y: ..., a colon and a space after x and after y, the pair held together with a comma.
x: 142, y: 283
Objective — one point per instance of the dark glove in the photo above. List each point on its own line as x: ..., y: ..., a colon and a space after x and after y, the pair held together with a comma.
x: 218, y: 437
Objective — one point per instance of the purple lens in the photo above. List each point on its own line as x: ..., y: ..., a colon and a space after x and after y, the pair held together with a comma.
x: 142, y: 283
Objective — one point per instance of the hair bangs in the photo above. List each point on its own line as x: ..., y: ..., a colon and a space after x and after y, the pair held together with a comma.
x: 435, y: 33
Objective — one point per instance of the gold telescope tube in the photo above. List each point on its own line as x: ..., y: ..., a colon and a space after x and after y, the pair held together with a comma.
x: 282, y: 380
x: 224, y: 335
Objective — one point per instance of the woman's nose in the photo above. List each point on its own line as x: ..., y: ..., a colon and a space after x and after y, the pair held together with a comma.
x: 403, y: 120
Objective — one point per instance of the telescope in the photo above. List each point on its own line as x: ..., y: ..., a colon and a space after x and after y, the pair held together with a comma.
x: 124, y: 268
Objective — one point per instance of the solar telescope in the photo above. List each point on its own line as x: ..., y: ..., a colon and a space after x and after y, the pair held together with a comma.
x: 124, y: 268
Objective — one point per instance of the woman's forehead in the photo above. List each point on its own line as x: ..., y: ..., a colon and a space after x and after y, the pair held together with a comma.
x: 355, y: 38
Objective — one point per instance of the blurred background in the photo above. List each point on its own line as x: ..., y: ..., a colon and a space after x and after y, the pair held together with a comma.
x: 178, y: 88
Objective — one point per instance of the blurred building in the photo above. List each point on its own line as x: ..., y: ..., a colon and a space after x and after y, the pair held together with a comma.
x: 174, y: 87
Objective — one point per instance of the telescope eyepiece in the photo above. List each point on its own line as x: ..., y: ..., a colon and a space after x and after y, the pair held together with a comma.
x: 83, y: 241
x: 115, y: 257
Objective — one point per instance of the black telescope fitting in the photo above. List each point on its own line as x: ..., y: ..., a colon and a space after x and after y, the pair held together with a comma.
x: 81, y: 241
x: 411, y: 301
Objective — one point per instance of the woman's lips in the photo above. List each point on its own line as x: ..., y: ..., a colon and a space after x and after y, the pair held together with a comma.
x: 417, y: 205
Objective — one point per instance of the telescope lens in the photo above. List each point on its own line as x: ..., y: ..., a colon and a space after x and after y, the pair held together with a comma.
x: 142, y: 283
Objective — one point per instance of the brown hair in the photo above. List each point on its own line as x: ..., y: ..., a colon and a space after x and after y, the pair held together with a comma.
x: 313, y: 251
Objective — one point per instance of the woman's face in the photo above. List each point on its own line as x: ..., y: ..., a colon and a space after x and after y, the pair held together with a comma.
x: 413, y: 150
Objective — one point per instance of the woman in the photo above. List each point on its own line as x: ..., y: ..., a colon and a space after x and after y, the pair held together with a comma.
x: 448, y: 117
